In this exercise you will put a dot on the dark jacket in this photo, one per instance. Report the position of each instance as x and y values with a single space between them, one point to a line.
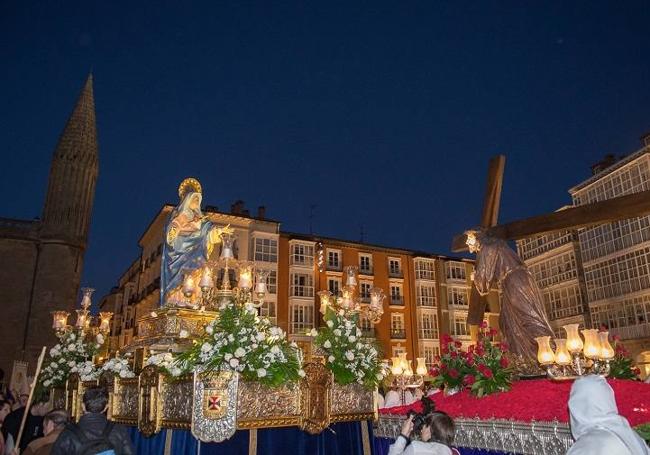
33 427
93 425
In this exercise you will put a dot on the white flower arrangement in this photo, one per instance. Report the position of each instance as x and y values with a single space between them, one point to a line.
241 341
350 357
119 367
72 354
165 361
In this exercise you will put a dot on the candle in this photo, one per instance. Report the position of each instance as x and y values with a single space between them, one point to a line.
376 298
324 300
562 356
592 343
421 369
188 285
351 274
206 279
81 319
606 350
545 354
573 340
245 277
105 321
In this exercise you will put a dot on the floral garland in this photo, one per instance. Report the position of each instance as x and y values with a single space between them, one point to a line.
239 340
484 368
349 357
72 354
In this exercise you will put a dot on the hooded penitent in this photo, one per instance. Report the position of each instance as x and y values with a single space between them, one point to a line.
595 423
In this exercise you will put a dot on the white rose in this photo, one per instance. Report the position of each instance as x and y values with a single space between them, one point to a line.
231 338
301 373
240 352
61 360
72 347
206 347
175 371
260 336
352 338
337 332
349 355
261 372
330 359
47 383
228 356
234 363
275 350
72 336
327 344
183 334
100 339
313 332
209 330
71 363
330 324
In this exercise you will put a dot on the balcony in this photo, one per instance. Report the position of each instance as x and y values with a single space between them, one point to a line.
398 334
397 300
364 299
334 267
368 333
306 261
396 273
363 270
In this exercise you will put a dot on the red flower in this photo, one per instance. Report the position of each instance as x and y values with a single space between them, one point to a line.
434 371
453 354
503 346
487 373
492 332
446 338
453 373
636 371
469 380
471 348
470 358
616 338
483 325
458 344
504 362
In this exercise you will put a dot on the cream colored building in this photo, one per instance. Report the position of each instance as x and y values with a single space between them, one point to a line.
616 256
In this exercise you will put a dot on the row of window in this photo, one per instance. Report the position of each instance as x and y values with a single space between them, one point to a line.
563 302
555 270
599 241
629 313
631 179
534 246
621 275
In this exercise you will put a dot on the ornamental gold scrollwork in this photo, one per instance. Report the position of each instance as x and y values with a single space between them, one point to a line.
148 402
316 395
73 394
214 409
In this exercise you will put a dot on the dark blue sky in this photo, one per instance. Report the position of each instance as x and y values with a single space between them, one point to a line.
384 115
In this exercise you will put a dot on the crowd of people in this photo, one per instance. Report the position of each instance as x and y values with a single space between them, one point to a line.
50 431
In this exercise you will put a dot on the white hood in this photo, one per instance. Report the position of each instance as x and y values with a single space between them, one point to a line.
592 406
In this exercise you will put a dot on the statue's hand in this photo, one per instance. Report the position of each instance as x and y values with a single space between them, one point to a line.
172 233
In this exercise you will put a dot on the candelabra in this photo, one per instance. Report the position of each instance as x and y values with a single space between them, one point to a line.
85 323
347 302
573 358
403 377
212 296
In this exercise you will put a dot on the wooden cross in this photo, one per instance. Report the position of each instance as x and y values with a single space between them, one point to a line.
619 208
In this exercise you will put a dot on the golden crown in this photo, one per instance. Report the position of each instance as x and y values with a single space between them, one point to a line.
189 185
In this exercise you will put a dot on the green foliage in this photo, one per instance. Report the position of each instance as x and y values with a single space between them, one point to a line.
349 357
239 340
621 366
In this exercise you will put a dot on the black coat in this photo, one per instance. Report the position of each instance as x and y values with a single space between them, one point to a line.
93 425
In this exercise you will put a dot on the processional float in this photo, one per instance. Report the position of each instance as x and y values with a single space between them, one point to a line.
182 370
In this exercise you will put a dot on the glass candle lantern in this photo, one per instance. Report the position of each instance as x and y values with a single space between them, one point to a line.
396 368
376 298
227 241
606 349
245 276
350 275
260 282
59 320
592 344
86 300
545 354
105 321
188 285
324 297
206 279
573 341
421 368
82 319
562 355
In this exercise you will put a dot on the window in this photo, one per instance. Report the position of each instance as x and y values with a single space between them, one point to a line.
364 291
429 352
365 264
455 270
428 325
457 296
394 267
266 250
302 317
396 294
397 326
334 285
302 254
459 325
302 285
268 310
424 270
425 295
367 330
333 260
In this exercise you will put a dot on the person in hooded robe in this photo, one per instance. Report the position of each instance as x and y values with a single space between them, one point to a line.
523 316
189 240
596 426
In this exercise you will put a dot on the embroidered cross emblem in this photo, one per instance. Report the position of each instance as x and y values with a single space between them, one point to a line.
214 403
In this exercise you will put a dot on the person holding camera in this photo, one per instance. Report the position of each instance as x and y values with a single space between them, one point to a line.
435 431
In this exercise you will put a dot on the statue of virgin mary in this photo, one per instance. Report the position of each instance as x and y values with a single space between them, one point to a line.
189 239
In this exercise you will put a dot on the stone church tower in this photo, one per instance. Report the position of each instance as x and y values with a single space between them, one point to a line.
41 261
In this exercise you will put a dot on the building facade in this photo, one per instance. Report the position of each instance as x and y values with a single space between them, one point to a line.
41 260
427 295
616 256
555 262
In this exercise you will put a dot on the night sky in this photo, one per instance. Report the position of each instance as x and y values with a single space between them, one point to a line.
382 115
